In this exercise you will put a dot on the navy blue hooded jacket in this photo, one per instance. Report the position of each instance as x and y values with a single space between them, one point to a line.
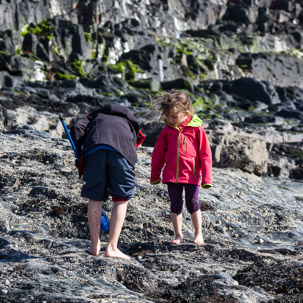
114 125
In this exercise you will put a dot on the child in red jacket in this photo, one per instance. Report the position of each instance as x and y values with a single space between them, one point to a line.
183 149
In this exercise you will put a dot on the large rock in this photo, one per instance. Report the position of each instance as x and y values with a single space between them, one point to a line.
233 147
281 70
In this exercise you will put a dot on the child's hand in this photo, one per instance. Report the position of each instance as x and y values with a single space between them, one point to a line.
155 182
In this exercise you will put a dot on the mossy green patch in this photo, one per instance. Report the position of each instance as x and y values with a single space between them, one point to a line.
120 67
88 37
34 57
126 68
61 76
18 51
193 55
131 70
202 104
77 66
43 29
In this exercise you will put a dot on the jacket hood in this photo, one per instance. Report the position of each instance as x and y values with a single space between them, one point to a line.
120 111
195 121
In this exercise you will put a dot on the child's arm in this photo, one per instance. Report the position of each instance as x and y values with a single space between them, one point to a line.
158 159
205 155
78 131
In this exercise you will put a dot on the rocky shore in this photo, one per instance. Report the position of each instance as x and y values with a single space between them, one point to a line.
253 234
241 63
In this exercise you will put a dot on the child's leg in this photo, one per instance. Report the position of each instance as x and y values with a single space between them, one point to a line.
176 205
94 215
193 206
122 187
177 224
197 222
116 223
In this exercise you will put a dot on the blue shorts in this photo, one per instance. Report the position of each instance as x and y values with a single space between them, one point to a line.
107 173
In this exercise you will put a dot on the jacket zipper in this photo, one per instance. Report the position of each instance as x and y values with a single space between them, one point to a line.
178 155
194 167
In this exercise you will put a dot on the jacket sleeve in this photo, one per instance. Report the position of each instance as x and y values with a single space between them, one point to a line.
205 155
158 158
78 131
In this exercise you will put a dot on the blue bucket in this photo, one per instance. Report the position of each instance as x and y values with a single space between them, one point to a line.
104 222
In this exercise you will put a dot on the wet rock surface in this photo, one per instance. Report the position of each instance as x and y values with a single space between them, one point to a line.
241 63
253 236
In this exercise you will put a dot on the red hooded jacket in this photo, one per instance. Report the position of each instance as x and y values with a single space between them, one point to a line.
185 153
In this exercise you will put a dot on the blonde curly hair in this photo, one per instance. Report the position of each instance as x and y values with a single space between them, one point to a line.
173 100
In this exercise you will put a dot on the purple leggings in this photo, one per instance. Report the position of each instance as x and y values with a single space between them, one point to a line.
175 191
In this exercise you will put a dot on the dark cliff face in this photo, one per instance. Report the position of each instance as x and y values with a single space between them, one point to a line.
241 63
239 60
165 39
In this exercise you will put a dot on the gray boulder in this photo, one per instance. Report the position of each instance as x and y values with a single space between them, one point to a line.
233 147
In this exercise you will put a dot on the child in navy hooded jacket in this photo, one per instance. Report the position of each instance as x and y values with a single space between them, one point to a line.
106 141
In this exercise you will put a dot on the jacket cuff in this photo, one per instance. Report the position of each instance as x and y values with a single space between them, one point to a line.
206 185
157 181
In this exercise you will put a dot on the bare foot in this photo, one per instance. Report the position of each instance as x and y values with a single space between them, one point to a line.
95 250
177 240
199 239
116 253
